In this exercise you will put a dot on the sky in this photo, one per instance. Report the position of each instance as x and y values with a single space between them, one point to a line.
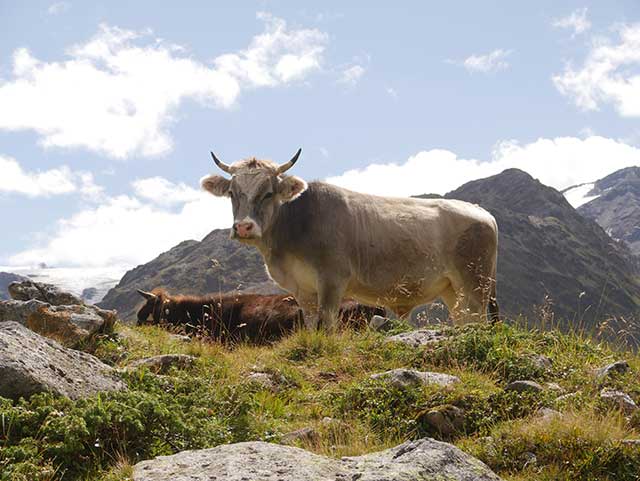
108 110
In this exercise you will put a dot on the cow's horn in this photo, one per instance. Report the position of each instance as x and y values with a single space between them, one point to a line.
284 167
145 294
221 164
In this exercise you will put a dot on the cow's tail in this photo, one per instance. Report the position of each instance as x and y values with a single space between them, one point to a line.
494 311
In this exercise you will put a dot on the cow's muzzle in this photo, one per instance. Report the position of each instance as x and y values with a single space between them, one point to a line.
246 229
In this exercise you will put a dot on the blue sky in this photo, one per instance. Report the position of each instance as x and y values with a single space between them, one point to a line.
108 109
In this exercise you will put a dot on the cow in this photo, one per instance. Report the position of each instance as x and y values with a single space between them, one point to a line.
235 317
321 243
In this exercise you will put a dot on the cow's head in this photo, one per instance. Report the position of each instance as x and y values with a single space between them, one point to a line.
156 302
257 189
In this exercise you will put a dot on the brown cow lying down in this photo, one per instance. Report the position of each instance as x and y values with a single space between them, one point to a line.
233 317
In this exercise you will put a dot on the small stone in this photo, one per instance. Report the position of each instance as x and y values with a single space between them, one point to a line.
548 414
446 419
402 378
377 322
567 397
618 367
554 386
420 337
303 435
180 337
162 364
267 380
619 400
541 362
524 386
528 459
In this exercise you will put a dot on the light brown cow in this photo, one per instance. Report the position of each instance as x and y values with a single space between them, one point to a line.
323 243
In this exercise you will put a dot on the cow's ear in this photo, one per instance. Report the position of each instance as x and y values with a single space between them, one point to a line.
216 185
290 187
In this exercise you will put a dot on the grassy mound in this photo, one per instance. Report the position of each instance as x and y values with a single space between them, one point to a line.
323 382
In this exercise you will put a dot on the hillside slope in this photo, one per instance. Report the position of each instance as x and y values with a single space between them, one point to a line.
214 264
547 248
617 206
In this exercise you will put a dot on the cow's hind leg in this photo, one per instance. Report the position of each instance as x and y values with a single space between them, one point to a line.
475 280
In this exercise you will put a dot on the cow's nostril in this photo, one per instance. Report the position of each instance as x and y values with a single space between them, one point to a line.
248 226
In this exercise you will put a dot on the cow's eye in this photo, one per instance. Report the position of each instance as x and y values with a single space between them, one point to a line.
268 195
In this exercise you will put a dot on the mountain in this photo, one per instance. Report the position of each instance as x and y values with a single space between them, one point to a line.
546 248
614 203
214 264
7 278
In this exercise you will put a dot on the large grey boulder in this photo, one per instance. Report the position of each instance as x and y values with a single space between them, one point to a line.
28 289
30 363
68 324
422 460
410 377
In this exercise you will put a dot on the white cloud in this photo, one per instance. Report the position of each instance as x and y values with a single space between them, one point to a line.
576 21
610 74
491 62
559 162
392 92
61 180
58 7
117 94
165 192
127 231
351 76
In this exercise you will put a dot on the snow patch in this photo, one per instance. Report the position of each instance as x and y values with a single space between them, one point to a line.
578 195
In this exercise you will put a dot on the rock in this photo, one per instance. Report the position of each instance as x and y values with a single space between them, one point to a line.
619 399
421 460
89 294
267 380
28 289
7 278
378 323
524 386
420 337
630 442
548 414
446 420
410 377
162 364
303 435
618 367
180 337
541 361
67 324
568 396
528 459
30 363
554 386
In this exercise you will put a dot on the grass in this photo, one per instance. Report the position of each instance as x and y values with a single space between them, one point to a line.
323 382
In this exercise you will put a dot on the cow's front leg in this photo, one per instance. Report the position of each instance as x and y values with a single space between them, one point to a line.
330 294
309 305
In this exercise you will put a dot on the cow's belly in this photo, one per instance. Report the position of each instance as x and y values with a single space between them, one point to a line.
399 291
293 275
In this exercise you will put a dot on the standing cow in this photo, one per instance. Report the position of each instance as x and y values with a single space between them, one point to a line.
322 243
